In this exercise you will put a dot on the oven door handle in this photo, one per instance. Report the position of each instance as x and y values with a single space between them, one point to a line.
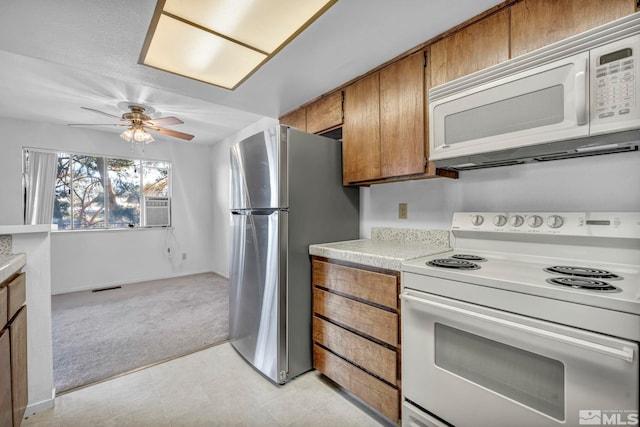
626 353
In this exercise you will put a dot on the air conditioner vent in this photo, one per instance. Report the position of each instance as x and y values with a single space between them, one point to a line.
157 212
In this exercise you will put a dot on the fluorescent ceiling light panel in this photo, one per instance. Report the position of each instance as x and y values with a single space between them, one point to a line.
223 42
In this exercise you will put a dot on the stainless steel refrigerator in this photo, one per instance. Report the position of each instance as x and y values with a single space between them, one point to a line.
286 193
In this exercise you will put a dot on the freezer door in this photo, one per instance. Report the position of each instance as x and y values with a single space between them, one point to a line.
257 291
259 171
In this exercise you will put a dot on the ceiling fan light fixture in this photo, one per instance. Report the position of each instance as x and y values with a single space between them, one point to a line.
137 134
223 42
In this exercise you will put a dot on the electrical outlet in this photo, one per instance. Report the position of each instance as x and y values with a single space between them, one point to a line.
184 256
403 209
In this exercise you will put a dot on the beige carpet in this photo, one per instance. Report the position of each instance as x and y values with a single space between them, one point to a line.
97 335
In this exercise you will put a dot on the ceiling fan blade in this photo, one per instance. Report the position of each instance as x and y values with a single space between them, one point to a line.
102 112
98 124
170 132
163 121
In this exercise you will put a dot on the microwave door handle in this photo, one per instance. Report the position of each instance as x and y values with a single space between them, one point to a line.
625 353
581 97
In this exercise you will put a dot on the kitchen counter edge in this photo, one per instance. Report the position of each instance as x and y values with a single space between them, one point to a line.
386 254
10 264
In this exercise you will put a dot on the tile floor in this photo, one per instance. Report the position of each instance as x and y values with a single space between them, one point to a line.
212 387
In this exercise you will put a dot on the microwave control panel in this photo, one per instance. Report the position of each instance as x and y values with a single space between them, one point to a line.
615 84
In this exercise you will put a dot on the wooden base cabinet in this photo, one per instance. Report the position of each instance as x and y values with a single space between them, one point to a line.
356 332
13 351
6 409
19 390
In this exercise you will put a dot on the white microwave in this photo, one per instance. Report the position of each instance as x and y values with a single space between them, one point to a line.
573 98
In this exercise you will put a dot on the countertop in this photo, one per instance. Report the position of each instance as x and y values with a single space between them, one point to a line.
9 264
387 248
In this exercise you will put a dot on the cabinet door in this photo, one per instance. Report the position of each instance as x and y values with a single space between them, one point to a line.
325 113
537 23
402 117
19 392
296 119
6 410
473 48
361 130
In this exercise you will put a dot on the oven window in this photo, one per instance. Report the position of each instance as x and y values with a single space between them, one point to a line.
533 380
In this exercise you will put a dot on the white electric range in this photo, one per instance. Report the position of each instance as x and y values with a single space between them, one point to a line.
532 319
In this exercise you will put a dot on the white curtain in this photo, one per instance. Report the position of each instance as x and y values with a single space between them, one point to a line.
40 183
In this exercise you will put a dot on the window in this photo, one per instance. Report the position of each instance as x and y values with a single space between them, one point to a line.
94 192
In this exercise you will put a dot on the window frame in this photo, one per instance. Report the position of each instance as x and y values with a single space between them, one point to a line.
106 157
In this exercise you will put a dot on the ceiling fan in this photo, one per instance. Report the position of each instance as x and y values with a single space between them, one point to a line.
138 123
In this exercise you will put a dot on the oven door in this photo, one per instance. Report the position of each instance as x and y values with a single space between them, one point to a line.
474 366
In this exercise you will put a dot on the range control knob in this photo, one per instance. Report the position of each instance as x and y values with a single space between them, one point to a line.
555 221
499 220
534 221
516 221
477 220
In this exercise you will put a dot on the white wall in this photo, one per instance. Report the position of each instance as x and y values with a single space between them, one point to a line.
37 247
90 259
599 183
221 218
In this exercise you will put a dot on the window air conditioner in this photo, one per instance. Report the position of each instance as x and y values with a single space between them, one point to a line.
156 212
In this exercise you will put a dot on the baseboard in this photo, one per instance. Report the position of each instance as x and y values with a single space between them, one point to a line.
128 282
43 405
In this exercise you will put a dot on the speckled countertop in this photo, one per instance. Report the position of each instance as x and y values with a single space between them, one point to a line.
387 248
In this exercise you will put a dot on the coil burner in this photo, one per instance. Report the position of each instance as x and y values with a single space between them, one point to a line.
584 284
456 264
591 273
468 257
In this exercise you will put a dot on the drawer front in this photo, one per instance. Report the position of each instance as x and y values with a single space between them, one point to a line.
17 294
6 417
4 308
375 322
374 392
372 357
378 288
19 390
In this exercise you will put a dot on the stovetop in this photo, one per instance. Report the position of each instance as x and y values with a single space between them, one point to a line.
528 274
508 261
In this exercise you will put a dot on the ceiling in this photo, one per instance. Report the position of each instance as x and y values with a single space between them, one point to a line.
56 56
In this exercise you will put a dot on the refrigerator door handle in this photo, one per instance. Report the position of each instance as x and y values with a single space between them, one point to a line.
269 211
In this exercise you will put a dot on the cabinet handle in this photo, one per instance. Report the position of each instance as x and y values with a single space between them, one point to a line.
626 353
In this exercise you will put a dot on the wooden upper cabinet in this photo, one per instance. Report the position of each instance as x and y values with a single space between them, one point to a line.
473 48
402 131
361 130
537 23
296 119
325 113
383 131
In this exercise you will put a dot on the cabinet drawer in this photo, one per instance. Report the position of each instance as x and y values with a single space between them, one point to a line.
376 287
370 356
17 294
19 390
5 380
369 320
374 392
4 306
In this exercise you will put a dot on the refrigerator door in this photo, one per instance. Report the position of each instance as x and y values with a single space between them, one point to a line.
257 289
259 171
